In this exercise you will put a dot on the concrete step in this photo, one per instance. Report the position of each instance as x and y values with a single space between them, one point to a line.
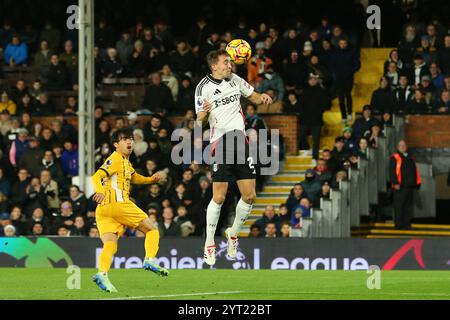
272 194
296 167
292 179
298 160
286 189
270 200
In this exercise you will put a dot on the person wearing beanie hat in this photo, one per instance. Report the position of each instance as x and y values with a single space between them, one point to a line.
311 185
350 143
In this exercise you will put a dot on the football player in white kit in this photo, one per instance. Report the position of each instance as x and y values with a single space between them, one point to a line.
217 101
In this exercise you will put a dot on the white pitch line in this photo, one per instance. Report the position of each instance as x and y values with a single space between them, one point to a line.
174 295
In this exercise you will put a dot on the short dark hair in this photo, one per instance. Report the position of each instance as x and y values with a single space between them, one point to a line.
213 56
121 133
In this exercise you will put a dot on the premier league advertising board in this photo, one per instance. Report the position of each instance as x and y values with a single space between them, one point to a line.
187 253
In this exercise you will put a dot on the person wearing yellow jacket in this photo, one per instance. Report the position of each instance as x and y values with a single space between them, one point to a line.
7 104
115 211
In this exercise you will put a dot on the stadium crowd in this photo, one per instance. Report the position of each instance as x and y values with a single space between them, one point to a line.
301 68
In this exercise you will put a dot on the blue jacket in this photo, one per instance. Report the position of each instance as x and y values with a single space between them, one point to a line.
18 53
69 162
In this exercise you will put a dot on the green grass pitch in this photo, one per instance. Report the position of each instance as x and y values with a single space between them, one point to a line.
134 284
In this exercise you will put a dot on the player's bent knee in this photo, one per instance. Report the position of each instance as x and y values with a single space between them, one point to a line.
219 199
249 198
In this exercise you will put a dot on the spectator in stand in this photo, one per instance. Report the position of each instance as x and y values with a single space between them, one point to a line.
18 146
37 230
257 65
16 52
38 216
324 193
63 231
168 227
19 189
43 107
78 201
32 157
36 88
185 95
124 47
363 151
408 45
419 69
295 73
268 217
346 63
79 227
392 75
42 57
35 197
184 221
322 171
253 120
296 194
183 61
48 163
137 61
402 94
315 67
5 185
382 98
150 41
169 79
338 154
375 133
19 90
157 95
69 57
50 189
111 67
7 104
427 51
443 104
93 232
26 105
350 144
362 125
19 221
69 159
444 56
65 217
270 231
272 80
417 104
57 76
311 185
104 34
436 77
313 103
393 58
52 35
428 90
255 231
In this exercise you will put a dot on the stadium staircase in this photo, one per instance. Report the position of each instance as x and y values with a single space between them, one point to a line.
276 191
387 230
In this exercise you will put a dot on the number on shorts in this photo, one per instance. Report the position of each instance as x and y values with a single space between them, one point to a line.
251 165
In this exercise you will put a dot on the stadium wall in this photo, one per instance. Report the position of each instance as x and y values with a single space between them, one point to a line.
187 253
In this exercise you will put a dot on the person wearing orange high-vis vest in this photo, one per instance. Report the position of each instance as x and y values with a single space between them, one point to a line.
404 177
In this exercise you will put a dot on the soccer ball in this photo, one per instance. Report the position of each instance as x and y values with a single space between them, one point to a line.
239 51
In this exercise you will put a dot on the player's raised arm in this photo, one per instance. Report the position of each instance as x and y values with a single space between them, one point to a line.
203 113
260 98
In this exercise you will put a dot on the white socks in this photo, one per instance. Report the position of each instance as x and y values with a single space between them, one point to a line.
212 217
243 210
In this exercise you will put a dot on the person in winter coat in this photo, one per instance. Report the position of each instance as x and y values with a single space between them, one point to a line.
313 102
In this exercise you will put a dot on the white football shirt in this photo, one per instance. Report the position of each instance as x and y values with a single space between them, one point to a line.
224 95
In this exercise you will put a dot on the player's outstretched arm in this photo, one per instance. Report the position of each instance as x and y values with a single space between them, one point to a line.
260 98
136 178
